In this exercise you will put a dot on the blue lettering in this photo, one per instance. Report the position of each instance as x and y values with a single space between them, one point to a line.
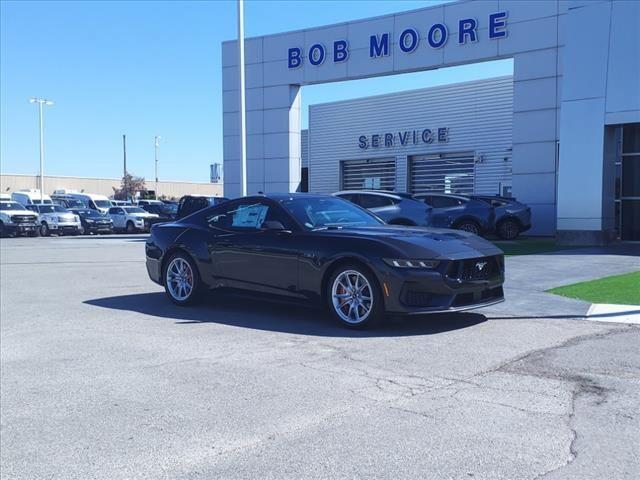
388 139
415 139
437 35
467 28
379 46
340 51
498 24
426 136
412 36
443 134
403 139
295 57
375 141
362 141
316 54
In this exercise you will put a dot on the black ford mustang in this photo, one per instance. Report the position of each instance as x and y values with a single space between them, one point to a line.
325 250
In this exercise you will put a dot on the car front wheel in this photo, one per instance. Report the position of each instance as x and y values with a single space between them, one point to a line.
131 228
468 226
44 230
181 280
354 297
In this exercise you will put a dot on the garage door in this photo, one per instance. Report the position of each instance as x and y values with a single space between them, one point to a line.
375 173
448 173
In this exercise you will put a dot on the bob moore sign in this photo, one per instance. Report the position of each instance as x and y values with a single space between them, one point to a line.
437 36
407 137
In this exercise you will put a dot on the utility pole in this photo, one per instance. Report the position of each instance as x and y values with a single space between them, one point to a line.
124 153
156 145
243 120
41 102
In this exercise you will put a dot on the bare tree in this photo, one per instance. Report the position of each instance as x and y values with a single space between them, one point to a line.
129 186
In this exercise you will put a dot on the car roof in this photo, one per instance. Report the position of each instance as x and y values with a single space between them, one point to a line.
384 193
440 194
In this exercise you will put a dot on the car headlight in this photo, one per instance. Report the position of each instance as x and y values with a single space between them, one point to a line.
405 263
88 220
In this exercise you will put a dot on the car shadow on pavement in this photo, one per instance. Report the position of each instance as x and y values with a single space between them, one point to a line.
277 317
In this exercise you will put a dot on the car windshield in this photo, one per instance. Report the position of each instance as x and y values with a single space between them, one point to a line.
45 208
90 213
323 212
102 203
11 206
133 210
169 208
75 204
59 209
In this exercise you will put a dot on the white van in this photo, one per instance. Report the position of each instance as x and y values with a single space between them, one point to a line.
93 201
30 197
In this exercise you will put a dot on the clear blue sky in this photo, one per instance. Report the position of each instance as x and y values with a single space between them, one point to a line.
151 68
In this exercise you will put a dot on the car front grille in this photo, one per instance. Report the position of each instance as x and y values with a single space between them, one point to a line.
414 298
23 219
476 269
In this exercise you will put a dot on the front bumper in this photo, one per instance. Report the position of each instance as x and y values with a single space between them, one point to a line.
449 288
12 228
98 227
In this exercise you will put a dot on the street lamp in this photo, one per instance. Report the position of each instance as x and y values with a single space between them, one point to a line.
155 151
41 102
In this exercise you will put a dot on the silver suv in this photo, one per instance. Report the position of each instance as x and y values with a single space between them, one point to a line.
392 207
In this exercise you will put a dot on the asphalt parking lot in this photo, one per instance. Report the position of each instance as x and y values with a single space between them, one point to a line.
102 377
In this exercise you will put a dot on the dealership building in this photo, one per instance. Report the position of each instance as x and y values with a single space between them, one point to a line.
561 134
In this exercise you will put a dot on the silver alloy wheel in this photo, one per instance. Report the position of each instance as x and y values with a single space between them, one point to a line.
180 279
352 297
470 227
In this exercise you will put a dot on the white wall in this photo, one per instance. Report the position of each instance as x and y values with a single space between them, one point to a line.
602 86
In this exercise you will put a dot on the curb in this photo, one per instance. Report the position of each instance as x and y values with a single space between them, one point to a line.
606 312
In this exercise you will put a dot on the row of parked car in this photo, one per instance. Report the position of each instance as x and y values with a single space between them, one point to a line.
74 214
478 214
30 213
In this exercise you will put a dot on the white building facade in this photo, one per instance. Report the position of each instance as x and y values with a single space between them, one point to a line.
576 99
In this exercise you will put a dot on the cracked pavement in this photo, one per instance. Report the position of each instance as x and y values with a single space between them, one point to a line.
101 377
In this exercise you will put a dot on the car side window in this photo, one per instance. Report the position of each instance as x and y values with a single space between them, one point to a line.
374 201
242 216
443 202
352 197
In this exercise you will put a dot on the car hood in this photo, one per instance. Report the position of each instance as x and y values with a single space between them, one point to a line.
143 215
424 242
19 212
69 216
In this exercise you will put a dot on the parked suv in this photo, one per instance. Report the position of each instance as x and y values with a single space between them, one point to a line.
131 219
94 221
55 219
192 203
16 219
512 217
166 211
459 212
392 207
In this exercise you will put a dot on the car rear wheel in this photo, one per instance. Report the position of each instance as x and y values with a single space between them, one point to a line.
354 297
468 226
508 230
181 280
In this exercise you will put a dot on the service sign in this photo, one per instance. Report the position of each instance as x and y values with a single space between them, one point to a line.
437 36
404 138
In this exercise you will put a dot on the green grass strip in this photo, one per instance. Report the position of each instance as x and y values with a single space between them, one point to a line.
619 289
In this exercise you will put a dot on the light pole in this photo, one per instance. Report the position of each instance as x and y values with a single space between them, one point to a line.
241 91
155 151
41 102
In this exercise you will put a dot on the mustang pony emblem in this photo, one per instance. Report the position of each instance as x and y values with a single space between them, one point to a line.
481 265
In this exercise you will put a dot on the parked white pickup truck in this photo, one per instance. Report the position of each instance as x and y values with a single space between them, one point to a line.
55 219
15 219
132 219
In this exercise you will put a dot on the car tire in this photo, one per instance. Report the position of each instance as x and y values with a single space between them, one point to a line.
34 233
508 230
468 226
44 230
2 231
349 279
131 228
181 280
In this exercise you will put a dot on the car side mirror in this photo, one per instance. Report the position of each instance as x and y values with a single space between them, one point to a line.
274 226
